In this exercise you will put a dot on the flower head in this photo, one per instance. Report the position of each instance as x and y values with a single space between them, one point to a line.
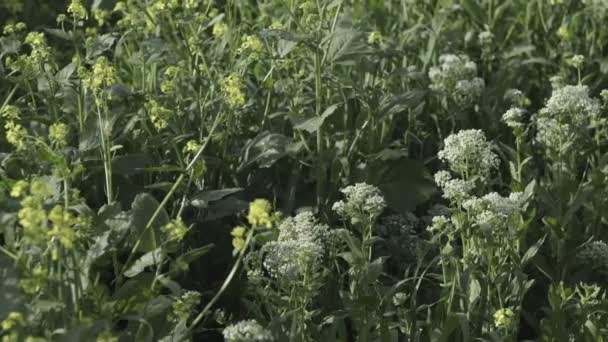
15 135
175 230
78 10
361 199
246 331
58 133
184 306
504 318
260 213
468 153
232 87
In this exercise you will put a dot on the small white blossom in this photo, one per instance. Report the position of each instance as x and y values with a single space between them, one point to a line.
456 77
514 117
468 153
361 199
246 331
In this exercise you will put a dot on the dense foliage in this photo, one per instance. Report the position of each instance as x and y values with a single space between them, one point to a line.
284 170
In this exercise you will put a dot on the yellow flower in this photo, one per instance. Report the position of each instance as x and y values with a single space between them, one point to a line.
10 112
252 44
504 318
232 89
101 16
375 38
563 32
219 30
40 189
78 9
19 188
260 213
238 243
13 319
159 115
103 75
176 230
15 134
238 231
238 237
58 133
277 25
192 146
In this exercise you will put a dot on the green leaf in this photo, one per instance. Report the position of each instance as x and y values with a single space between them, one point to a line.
90 138
531 252
142 209
405 183
204 198
154 257
345 43
313 124
130 164
100 45
265 150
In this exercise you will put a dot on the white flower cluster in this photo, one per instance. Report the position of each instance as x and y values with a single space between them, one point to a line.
564 120
493 210
469 154
361 199
439 224
594 256
457 76
246 331
301 246
514 118
453 188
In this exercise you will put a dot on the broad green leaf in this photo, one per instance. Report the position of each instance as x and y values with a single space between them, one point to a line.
130 164
313 124
405 183
204 198
142 209
149 259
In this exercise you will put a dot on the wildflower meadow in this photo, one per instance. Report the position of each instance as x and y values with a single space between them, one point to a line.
303 170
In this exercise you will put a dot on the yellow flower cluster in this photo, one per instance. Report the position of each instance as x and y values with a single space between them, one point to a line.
11 29
35 281
58 133
41 52
219 30
63 231
192 146
78 10
101 16
34 220
167 86
102 75
159 115
232 87
260 213
175 230
238 237
14 319
15 134
504 318
252 45
10 112
375 38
